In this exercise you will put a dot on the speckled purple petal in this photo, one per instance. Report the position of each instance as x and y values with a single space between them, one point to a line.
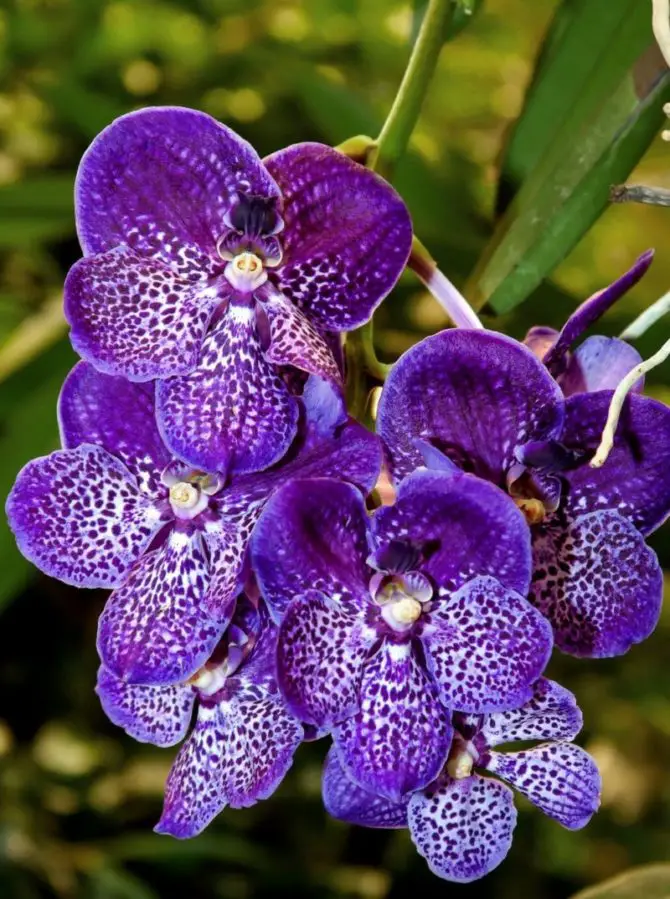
153 629
475 395
597 582
600 363
485 646
233 413
160 180
118 415
464 526
237 754
591 310
346 801
550 714
635 480
464 828
158 715
78 515
320 658
295 341
399 740
226 537
559 778
312 535
347 235
135 317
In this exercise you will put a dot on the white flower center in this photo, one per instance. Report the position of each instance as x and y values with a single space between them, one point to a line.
184 495
245 272
460 765
406 610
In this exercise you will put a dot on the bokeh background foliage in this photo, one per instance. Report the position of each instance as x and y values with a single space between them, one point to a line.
77 799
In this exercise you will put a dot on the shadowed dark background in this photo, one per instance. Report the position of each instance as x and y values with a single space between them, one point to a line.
77 798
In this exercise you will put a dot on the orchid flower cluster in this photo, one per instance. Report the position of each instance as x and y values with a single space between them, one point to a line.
211 478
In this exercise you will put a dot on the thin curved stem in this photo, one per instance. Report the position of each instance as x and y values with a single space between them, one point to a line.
401 120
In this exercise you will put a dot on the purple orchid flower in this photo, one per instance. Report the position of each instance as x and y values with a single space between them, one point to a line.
388 624
482 402
244 738
211 270
115 510
599 363
462 823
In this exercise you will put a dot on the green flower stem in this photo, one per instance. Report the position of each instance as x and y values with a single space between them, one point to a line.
394 137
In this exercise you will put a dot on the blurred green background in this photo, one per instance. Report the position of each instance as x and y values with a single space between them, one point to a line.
77 798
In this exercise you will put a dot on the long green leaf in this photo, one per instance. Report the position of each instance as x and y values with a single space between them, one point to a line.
600 140
648 882
29 428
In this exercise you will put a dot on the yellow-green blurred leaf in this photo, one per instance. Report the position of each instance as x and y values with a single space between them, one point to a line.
648 882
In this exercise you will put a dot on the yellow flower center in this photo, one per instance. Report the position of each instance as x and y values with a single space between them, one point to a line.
533 509
184 495
406 610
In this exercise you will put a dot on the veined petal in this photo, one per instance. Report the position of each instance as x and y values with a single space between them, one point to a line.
347 235
485 646
635 479
161 181
551 713
119 416
226 538
320 658
475 395
135 317
600 363
153 629
159 715
237 754
559 778
313 534
597 582
591 310
78 515
346 801
464 828
399 740
466 526
295 341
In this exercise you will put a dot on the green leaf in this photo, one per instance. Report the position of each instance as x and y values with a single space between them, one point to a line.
37 210
616 111
29 428
648 882
110 883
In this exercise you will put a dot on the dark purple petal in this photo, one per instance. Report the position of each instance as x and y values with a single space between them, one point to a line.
237 754
158 715
117 415
233 413
598 583
551 713
153 629
635 480
78 515
347 235
486 646
135 317
463 526
161 180
399 740
475 395
464 828
295 341
559 778
325 409
591 310
600 363
313 534
226 538
320 657
345 800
